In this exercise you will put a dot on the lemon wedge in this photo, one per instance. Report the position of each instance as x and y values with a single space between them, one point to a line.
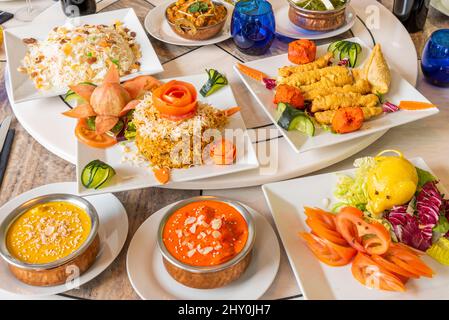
440 251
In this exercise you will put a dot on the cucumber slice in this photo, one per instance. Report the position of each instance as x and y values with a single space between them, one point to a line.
332 47
96 174
359 47
280 110
353 56
344 53
303 124
287 116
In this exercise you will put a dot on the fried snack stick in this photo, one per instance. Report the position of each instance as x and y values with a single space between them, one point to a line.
317 64
309 77
336 81
325 117
360 86
341 100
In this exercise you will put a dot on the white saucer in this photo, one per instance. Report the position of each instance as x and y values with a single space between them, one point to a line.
287 29
156 25
440 6
113 229
150 280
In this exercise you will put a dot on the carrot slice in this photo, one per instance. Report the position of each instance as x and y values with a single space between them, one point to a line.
162 175
415 105
82 111
251 72
229 112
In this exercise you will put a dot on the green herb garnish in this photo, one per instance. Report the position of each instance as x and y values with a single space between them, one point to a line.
198 6
215 82
116 62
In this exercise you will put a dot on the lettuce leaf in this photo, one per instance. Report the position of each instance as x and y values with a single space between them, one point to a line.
442 225
424 177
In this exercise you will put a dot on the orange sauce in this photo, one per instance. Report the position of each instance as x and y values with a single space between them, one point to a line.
205 233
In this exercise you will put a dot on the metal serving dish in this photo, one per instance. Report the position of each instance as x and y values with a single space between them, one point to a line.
317 20
53 273
200 33
208 277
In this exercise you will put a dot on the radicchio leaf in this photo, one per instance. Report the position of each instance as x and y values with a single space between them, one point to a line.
270 84
389 107
428 203
408 230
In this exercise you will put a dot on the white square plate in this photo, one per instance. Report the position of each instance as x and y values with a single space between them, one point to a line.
318 281
23 88
129 176
400 90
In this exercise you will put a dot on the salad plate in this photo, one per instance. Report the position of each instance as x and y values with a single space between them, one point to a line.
157 25
23 89
134 172
287 29
113 230
399 90
150 279
286 201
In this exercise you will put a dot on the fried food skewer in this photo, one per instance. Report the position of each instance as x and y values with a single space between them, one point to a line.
319 63
325 117
342 100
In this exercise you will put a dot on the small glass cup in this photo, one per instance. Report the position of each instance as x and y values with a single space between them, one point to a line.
435 58
253 27
27 13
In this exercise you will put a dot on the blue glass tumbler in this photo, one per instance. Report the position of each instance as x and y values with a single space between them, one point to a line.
435 58
253 27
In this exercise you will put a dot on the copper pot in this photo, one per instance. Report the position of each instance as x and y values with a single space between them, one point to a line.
197 33
317 20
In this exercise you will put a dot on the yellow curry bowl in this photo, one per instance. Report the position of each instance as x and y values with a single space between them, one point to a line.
50 239
188 31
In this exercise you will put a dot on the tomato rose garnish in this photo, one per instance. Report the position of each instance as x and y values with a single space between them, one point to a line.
175 100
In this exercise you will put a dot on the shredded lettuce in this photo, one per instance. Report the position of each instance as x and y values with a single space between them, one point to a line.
442 226
351 191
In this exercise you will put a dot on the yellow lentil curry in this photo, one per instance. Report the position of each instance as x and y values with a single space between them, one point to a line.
48 232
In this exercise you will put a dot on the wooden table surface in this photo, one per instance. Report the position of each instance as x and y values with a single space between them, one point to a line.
31 165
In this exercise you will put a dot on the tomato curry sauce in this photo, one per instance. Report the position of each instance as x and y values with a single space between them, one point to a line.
205 233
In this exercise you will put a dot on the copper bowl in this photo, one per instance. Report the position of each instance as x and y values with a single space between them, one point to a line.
199 33
317 20
213 276
59 271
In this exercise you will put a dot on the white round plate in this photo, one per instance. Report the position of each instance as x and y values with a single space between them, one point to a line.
150 280
156 25
441 5
113 229
42 118
287 29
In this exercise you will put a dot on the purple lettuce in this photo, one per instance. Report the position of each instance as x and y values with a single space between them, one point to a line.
389 107
428 204
408 230
270 84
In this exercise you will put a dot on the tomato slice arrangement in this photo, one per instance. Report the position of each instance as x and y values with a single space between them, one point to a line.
175 100
372 275
91 138
367 237
328 252
345 237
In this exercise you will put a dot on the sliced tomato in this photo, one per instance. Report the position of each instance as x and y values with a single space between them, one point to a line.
408 260
390 266
327 252
323 231
325 217
91 138
367 237
372 275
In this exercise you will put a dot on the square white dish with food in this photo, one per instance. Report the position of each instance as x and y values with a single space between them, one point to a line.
319 281
45 58
133 169
329 92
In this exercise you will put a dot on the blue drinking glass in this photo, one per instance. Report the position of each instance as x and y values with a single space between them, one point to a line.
253 27
435 58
